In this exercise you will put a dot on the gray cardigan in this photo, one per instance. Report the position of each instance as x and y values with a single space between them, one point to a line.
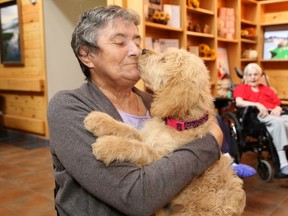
88 187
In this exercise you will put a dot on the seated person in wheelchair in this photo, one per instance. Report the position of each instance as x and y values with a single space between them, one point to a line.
253 93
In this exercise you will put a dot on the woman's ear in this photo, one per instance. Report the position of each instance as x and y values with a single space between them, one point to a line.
84 56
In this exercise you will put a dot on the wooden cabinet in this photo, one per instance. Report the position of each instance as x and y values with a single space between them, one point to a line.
250 16
158 31
199 25
200 29
231 44
248 32
273 17
273 12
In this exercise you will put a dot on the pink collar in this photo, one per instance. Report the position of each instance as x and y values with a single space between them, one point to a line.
180 126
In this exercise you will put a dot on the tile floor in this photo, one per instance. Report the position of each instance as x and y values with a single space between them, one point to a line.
264 199
26 181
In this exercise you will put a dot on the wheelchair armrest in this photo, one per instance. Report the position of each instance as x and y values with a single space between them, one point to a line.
284 111
248 109
251 125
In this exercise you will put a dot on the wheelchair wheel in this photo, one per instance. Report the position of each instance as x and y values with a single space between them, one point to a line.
235 132
264 170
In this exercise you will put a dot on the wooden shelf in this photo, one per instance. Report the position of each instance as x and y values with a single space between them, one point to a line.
228 40
244 40
209 59
247 22
274 23
274 60
199 34
200 11
246 60
162 26
249 1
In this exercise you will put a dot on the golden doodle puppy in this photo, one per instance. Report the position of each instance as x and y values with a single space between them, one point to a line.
182 110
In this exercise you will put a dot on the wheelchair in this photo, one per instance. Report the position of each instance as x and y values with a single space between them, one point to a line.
249 134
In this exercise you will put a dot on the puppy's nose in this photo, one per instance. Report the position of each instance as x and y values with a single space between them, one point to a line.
144 51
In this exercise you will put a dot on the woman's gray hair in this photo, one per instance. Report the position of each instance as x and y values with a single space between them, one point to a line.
91 22
250 67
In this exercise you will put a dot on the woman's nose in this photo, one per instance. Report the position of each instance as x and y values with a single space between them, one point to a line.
134 50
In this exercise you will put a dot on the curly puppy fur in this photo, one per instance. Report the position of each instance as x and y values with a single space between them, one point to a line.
180 82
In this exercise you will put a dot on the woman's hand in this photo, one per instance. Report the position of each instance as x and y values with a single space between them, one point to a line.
276 111
263 111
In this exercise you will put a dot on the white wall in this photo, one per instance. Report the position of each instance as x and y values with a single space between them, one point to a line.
60 17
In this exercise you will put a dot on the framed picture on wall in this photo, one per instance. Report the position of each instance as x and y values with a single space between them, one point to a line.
222 62
11 44
275 42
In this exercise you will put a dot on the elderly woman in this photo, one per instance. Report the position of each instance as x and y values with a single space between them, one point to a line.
252 93
106 43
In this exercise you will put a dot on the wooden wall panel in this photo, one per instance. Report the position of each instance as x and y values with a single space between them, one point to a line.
24 87
278 79
32 85
32 125
29 106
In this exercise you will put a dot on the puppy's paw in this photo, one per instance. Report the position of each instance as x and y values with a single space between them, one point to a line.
98 123
112 148
104 150
101 124
120 149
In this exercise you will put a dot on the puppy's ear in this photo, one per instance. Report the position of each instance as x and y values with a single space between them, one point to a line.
175 99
